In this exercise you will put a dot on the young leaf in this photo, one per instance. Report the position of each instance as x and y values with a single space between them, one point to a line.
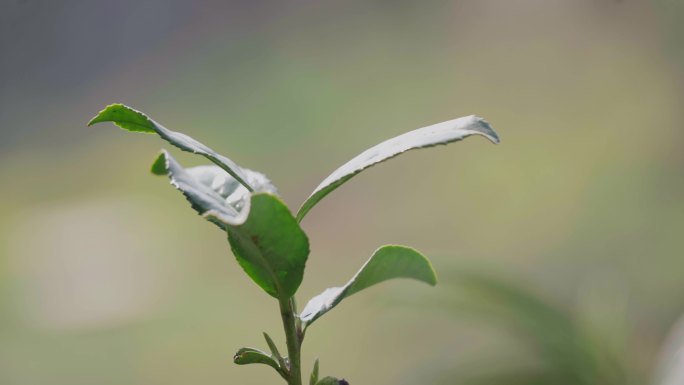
331 381
274 350
314 374
209 189
246 356
270 246
441 133
133 120
386 263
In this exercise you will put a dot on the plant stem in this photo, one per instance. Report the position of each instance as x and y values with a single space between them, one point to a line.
287 312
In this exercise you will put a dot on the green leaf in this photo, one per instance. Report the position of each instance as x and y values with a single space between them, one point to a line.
441 133
132 120
211 191
246 356
331 381
314 374
274 350
126 118
386 263
264 236
270 246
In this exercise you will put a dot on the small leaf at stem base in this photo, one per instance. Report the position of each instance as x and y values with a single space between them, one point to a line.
332 381
314 374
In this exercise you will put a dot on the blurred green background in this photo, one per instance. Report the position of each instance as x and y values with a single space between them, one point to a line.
559 251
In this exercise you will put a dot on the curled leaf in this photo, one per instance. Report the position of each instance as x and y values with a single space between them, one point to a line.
246 356
264 236
133 120
211 191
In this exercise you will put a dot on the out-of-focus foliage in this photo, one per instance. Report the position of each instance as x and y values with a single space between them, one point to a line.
671 14
670 368
588 343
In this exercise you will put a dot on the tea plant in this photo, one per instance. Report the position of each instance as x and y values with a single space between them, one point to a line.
266 238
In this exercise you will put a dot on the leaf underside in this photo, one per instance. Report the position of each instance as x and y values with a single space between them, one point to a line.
133 120
441 133
264 236
211 191
387 262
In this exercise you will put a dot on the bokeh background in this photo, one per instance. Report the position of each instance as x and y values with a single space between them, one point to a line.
559 251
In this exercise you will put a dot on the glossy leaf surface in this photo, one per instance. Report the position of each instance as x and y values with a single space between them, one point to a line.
133 120
211 191
270 246
386 263
441 133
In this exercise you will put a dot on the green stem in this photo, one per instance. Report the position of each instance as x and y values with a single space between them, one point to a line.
287 312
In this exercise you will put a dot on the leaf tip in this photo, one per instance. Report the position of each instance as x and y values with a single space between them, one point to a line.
124 117
102 115
160 165
431 279
238 356
313 380
485 129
